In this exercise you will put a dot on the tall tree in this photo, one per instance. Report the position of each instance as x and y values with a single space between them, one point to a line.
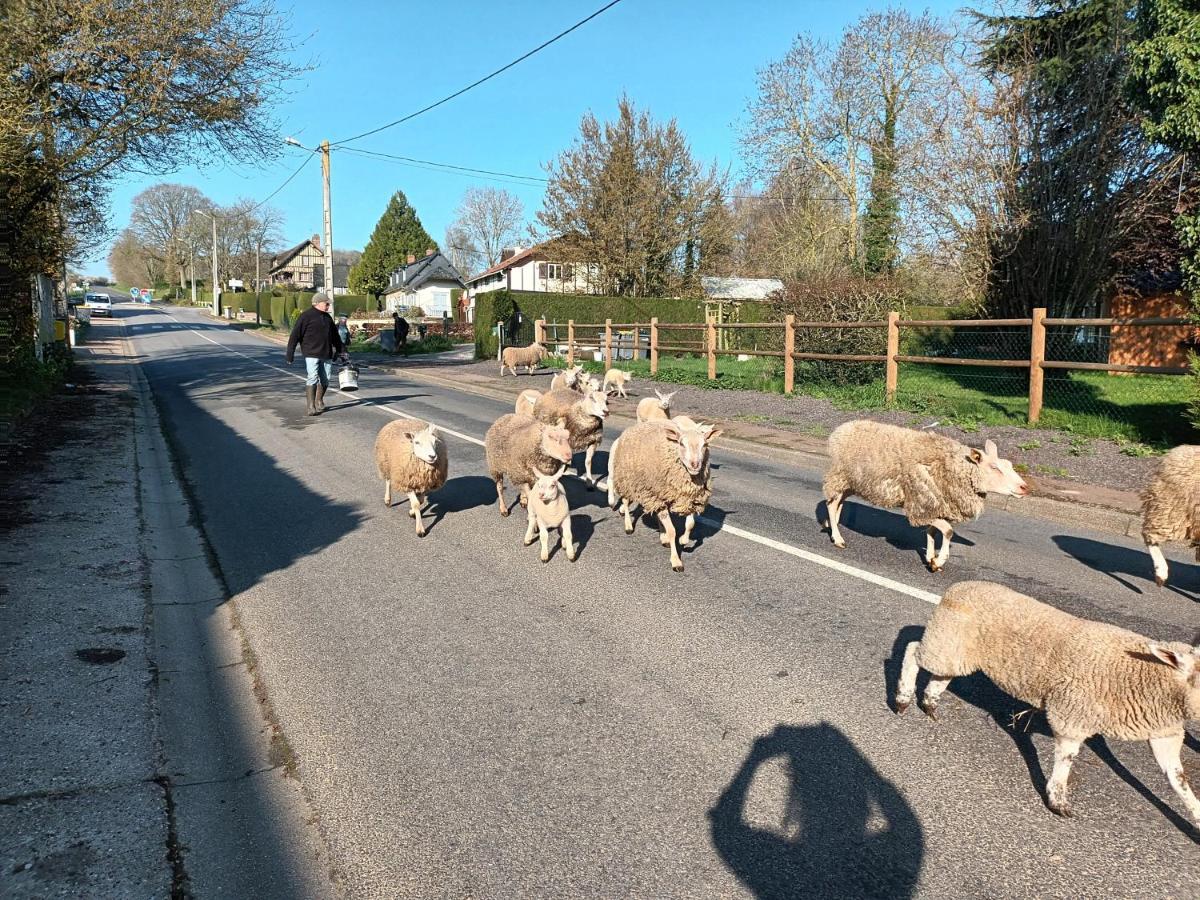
462 251
397 234
491 219
160 217
133 263
632 208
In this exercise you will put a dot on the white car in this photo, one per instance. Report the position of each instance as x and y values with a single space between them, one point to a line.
99 304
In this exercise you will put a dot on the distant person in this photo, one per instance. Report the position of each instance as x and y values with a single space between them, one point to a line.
400 331
319 343
343 329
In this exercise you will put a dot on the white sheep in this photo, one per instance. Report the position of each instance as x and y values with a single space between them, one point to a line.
1089 677
525 401
618 378
650 408
1171 506
662 467
530 357
411 458
937 480
582 415
567 378
548 509
517 445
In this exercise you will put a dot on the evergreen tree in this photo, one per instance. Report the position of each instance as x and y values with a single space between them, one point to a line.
881 223
397 234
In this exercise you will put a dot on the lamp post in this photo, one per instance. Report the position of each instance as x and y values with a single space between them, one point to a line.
215 290
323 149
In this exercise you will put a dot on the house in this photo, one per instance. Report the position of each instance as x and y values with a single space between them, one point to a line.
1148 295
426 282
535 269
302 268
722 290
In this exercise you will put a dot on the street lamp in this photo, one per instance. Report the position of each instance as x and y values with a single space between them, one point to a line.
323 149
216 292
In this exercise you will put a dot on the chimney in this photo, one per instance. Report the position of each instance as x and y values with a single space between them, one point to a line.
429 251
509 252
411 259
316 239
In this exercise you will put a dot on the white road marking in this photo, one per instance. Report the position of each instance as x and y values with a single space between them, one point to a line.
806 555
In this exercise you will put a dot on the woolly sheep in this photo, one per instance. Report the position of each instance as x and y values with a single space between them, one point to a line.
663 468
548 509
937 480
411 458
1089 677
650 409
619 378
567 378
582 415
517 445
525 401
530 357
1171 506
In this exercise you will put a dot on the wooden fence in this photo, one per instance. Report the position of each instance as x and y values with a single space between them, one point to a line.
710 345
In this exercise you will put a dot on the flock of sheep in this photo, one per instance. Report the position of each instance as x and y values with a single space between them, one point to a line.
1089 678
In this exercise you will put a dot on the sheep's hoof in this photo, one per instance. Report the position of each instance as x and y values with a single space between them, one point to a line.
546 559
591 485
1060 808
628 530
676 568
412 513
902 706
935 566
930 709
420 532
841 545
524 503
1159 580
504 513
529 541
572 554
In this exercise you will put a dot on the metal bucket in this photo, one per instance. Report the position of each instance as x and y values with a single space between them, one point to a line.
348 378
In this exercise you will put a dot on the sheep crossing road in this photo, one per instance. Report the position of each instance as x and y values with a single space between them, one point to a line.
470 722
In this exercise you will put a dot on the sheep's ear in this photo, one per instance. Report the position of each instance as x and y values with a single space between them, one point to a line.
974 455
711 433
990 448
1179 661
562 470
433 430
408 434
671 430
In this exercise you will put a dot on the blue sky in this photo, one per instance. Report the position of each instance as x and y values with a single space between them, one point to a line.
376 61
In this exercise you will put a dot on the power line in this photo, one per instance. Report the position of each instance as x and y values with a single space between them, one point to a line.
438 166
258 206
488 77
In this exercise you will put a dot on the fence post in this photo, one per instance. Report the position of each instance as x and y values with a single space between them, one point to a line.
712 349
637 341
789 347
1037 354
539 331
654 345
570 342
892 366
607 344
500 341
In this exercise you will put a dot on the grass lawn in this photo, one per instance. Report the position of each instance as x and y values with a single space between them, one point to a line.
1143 409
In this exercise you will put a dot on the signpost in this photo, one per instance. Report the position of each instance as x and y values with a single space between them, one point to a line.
145 295
133 292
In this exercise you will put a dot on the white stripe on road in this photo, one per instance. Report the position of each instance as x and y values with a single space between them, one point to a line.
806 555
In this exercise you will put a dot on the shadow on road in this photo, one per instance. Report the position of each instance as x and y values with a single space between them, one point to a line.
844 830
1114 561
459 495
872 522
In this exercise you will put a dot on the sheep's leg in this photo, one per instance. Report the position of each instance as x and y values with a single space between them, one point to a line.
523 498
943 554
833 507
544 534
930 549
906 689
628 516
1166 754
531 527
568 540
933 693
414 510
387 492
612 493
1065 751
587 467
669 531
1160 563
500 495
688 524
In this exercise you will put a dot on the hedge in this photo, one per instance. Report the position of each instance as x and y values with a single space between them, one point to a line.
494 306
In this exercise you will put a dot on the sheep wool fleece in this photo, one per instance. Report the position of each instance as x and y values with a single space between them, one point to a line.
1171 501
513 446
398 465
646 471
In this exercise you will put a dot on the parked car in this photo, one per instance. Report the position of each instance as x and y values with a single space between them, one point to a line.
99 304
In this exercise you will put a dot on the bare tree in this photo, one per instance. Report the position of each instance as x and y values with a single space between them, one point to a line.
491 219
462 252
160 218
132 263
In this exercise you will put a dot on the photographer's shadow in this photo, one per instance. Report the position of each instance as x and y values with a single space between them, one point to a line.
845 831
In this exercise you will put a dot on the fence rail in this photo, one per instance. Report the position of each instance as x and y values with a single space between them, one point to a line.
644 337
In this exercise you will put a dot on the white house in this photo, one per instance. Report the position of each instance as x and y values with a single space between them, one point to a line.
425 282
535 269
724 289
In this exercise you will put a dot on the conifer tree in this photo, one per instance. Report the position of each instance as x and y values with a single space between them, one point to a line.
398 233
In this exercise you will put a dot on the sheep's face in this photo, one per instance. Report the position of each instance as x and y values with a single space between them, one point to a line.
664 400
424 444
596 404
692 443
540 352
997 475
590 383
556 444
1186 663
546 488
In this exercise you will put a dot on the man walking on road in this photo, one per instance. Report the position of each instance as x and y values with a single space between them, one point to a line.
319 343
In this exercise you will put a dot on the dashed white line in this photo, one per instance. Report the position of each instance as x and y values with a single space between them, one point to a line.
797 552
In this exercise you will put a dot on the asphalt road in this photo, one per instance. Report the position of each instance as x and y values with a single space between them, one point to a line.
472 723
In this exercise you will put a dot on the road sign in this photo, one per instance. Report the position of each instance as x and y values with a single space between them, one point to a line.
133 292
145 294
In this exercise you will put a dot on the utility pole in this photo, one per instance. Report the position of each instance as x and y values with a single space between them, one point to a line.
328 225
192 247
216 293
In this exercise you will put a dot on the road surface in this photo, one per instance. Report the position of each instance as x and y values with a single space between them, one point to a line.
471 723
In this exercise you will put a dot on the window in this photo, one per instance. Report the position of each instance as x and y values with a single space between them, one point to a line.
553 271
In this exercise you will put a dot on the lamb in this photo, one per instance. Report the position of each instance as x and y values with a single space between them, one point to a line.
662 467
548 509
937 480
619 378
567 378
517 445
1171 506
525 401
1089 677
530 357
649 409
583 416
411 458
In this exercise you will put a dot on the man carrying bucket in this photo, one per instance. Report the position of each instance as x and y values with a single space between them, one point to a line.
319 343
